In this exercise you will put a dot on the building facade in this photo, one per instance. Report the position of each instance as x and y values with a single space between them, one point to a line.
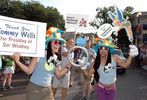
139 25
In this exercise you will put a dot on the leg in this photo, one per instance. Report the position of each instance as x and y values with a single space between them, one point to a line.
101 93
1 94
65 85
54 90
64 93
89 88
55 85
10 80
4 81
71 81
111 94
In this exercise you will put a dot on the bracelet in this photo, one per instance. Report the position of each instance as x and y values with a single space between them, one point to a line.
66 67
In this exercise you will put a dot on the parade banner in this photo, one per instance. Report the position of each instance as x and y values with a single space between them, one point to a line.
76 21
25 37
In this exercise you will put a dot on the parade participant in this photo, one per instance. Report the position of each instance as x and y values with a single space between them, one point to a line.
105 65
8 72
105 62
64 80
86 86
43 69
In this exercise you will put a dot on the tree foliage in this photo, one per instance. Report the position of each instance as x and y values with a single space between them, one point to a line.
102 15
33 11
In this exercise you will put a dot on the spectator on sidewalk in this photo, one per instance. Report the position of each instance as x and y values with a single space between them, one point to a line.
8 72
0 71
43 69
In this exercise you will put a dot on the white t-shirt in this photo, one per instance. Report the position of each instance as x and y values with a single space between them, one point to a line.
65 59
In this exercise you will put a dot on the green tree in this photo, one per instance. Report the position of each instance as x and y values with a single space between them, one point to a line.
4 7
16 10
33 11
102 15
53 19
128 11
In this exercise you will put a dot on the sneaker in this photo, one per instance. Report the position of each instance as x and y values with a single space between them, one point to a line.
4 89
70 85
84 98
1 95
10 87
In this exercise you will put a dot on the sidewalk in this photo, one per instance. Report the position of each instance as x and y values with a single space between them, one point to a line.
19 82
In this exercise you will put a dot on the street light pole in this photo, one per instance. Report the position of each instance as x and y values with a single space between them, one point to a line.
138 17
138 27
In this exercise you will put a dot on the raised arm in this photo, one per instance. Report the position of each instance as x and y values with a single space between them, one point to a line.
122 62
27 69
127 62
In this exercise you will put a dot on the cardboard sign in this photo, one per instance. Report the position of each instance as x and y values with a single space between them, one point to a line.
76 21
105 30
25 37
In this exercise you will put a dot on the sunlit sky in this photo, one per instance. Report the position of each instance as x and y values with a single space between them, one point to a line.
88 7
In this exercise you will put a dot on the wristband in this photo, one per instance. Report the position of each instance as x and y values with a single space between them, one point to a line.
66 67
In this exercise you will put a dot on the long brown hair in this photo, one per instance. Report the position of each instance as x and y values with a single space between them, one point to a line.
97 64
49 52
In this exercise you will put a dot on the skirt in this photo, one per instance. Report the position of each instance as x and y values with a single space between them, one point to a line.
8 70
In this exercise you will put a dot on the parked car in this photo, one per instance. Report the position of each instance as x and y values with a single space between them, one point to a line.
120 70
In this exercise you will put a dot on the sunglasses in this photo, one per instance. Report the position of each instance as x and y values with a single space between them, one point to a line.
104 48
56 42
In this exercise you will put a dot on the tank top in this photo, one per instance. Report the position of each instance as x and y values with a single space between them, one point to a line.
107 74
41 76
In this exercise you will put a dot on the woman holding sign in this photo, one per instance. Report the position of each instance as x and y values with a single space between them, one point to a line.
43 69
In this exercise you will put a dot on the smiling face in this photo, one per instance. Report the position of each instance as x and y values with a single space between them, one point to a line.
88 44
55 45
70 42
104 51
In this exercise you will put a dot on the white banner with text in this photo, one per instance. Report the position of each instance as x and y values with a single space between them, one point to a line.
25 37
76 21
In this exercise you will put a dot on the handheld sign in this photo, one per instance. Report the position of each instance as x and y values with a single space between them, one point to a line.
25 37
105 30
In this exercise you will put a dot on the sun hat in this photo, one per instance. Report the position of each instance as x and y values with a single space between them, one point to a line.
54 33
106 43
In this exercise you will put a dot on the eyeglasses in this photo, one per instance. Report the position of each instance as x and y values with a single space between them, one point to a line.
57 42
104 48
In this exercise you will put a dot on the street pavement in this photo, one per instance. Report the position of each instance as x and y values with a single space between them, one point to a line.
130 86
